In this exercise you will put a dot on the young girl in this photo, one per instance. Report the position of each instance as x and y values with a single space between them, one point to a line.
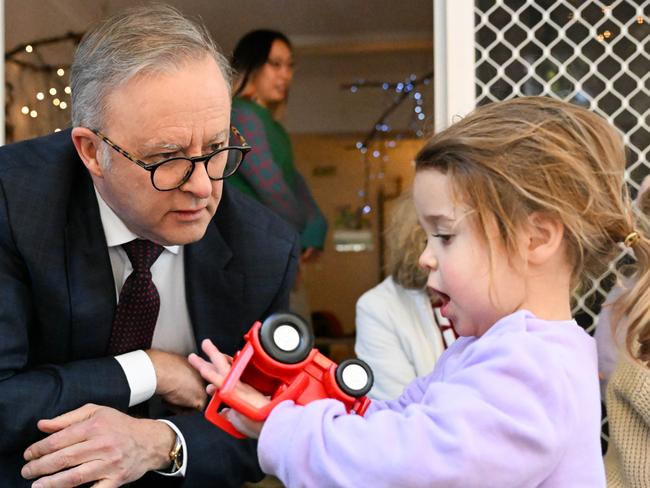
519 199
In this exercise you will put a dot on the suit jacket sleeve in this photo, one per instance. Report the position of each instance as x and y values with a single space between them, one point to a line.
29 393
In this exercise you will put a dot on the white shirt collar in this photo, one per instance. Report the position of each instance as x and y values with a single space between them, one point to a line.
116 231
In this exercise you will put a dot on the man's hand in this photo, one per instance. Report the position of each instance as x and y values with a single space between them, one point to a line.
176 381
100 444
215 373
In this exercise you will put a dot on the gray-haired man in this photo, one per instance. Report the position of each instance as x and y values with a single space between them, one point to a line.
144 163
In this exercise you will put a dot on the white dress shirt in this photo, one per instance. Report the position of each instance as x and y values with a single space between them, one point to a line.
173 331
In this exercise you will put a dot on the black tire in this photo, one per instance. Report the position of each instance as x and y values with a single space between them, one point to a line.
300 337
359 388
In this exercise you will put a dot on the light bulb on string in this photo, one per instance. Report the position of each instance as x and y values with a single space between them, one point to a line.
56 102
52 91
29 48
40 96
60 71
33 114
68 90
25 109
63 105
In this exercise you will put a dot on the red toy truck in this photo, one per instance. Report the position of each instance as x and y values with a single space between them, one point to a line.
280 361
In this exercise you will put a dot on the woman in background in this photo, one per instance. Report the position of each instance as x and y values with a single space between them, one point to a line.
400 332
263 61
263 64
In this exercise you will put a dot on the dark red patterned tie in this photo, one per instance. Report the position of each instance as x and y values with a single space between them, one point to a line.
139 302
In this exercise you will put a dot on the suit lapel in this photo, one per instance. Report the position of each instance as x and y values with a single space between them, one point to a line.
90 279
215 295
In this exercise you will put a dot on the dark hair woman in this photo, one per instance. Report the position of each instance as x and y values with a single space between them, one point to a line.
263 61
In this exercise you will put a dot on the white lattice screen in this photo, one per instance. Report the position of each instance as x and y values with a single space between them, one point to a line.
592 53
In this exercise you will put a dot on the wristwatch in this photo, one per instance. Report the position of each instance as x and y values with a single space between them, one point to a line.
176 455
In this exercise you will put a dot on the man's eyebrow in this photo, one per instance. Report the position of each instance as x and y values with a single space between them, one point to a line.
220 135
161 145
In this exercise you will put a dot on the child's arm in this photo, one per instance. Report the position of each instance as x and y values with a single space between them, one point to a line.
507 413
215 372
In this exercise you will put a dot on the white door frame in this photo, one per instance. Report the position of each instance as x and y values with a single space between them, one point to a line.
454 76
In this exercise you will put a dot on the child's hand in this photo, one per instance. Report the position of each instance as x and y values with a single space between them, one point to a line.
215 372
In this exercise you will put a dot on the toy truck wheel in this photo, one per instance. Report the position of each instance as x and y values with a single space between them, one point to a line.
286 337
354 377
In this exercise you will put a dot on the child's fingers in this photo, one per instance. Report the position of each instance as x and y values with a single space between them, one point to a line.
218 359
246 426
207 370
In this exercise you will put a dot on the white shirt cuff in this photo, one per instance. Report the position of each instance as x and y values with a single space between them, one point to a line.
140 374
180 472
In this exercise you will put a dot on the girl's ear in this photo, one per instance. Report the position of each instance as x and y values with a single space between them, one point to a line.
545 237
87 145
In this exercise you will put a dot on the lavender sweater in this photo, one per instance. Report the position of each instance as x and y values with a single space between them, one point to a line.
518 407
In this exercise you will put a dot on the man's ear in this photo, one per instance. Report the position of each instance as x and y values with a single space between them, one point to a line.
87 145
545 237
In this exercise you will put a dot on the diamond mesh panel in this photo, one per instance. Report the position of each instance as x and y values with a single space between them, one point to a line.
592 53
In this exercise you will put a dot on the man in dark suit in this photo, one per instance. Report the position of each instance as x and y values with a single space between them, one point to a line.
144 163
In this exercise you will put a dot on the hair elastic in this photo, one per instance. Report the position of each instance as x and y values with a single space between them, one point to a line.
631 239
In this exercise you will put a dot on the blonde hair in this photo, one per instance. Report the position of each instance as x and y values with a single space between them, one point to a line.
405 242
536 154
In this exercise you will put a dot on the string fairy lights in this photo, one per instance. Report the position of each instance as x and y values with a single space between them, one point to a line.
46 106
374 149
382 136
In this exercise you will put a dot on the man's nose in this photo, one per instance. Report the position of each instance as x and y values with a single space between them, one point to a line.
199 183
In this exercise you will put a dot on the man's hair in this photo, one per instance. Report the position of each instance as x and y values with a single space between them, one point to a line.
142 40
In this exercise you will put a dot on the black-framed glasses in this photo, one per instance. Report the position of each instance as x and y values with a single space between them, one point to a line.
171 173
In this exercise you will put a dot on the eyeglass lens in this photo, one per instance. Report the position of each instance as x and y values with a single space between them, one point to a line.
175 172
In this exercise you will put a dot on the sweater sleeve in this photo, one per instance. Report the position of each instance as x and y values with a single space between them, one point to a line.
262 172
496 420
